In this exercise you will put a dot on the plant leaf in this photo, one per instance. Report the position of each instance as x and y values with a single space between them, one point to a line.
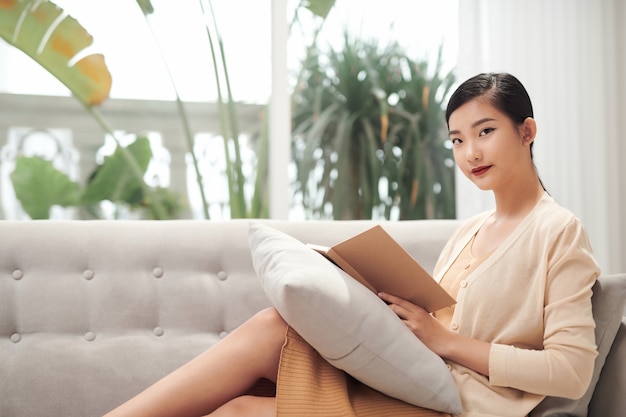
114 179
171 202
39 185
146 7
390 157
44 32
319 8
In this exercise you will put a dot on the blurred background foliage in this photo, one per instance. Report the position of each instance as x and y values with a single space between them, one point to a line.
369 135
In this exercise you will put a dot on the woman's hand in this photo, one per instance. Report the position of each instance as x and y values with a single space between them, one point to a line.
464 350
423 325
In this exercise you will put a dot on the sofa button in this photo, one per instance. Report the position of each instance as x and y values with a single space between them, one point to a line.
454 325
88 274
18 274
222 275
157 272
16 337
223 334
158 331
90 336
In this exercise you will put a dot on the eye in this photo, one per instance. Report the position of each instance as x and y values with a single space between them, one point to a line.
486 131
456 141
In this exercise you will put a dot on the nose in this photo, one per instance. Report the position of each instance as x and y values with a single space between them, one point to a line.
472 151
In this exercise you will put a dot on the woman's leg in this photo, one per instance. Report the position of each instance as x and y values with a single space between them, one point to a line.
247 406
225 371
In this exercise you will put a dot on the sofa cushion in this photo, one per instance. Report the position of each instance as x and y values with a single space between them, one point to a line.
348 324
609 295
608 398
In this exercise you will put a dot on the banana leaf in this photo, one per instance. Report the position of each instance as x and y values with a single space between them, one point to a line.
39 185
40 29
114 180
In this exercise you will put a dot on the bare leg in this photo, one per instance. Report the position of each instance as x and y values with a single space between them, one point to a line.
225 371
247 406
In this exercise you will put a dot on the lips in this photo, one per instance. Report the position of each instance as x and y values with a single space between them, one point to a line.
480 170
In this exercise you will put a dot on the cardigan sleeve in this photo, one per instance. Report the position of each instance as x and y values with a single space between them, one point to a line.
565 365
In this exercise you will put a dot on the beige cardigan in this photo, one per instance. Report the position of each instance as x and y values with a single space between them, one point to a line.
532 300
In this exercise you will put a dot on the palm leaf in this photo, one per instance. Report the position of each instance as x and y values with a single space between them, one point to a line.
55 40
366 142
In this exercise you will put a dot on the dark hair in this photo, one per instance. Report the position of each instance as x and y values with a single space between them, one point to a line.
503 91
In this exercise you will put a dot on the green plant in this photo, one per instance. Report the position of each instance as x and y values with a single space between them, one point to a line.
39 186
90 81
35 28
240 205
369 135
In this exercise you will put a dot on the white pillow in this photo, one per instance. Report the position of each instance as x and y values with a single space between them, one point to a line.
348 324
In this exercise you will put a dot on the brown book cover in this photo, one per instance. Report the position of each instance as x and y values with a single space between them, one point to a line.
377 260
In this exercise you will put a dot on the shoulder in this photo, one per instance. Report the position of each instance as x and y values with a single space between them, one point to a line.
552 219
549 207
562 236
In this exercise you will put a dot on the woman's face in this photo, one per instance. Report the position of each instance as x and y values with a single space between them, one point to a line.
488 147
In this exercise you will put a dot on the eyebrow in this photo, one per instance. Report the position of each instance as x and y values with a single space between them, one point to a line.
476 123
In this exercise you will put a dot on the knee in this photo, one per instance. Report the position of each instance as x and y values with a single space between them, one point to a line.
271 321
272 326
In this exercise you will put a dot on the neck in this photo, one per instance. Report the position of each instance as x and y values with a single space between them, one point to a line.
517 201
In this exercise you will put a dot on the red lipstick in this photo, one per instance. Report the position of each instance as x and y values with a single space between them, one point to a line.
478 171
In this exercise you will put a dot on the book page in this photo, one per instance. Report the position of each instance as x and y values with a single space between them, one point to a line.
375 257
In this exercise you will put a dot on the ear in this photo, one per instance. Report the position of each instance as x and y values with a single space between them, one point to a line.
528 130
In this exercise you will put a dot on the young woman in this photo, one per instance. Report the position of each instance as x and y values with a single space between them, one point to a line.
522 274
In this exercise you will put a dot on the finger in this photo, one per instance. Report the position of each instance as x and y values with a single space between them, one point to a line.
400 311
392 299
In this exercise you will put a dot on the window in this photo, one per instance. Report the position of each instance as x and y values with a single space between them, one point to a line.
121 34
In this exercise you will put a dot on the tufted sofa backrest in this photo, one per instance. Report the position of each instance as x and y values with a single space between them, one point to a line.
92 312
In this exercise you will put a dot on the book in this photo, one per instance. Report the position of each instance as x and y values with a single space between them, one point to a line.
380 263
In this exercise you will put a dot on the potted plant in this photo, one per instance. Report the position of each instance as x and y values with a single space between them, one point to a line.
369 137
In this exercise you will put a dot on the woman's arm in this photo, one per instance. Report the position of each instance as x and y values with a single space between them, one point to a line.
564 364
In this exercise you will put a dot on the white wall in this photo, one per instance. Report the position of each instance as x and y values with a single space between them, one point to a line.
570 54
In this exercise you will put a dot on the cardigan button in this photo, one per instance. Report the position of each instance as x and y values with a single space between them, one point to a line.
222 275
18 274
90 336
157 272
454 325
88 274
463 284
16 337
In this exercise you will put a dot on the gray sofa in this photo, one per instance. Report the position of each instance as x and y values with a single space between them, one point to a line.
92 312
